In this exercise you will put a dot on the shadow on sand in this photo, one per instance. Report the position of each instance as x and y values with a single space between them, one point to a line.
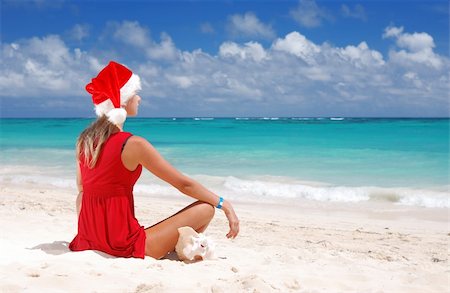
61 247
55 248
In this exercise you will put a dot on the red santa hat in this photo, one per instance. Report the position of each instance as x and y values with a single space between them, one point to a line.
111 90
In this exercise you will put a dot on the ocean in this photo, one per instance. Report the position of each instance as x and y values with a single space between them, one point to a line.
399 160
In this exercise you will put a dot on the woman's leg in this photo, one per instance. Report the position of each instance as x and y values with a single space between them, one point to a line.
163 236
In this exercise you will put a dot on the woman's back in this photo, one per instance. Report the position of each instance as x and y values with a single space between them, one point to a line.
109 171
107 221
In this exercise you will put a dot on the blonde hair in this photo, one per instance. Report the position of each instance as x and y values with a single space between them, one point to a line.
91 140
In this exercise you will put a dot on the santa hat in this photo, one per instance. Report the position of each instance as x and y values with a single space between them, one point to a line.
111 90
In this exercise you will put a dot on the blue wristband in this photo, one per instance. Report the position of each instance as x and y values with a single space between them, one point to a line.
219 205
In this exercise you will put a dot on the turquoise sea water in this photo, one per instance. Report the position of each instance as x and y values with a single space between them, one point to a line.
338 159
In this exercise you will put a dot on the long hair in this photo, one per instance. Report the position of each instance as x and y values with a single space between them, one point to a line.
91 140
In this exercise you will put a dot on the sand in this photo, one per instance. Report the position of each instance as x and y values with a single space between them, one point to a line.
304 247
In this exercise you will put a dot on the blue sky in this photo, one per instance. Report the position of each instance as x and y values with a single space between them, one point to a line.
230 58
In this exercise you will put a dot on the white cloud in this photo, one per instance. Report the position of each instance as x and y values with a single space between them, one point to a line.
309 14
133 34
165 50
79 32
248 25
426 57
357 12
415 42
250 50
44 66
45 78
362 56
418 48
316 73
392 31
180 81
412 77
300 76
292 76
297 44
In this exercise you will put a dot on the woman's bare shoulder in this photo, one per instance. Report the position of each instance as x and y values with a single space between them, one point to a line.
138 142
137 139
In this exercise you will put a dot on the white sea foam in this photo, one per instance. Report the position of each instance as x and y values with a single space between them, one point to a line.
337 118
425 199
38 180
406 196
264 188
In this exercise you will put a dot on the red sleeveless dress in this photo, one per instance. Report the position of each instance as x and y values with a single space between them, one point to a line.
107 222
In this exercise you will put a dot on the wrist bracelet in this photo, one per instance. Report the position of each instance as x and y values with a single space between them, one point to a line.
219 205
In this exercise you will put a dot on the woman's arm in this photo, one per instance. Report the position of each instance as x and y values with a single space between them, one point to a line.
139 151
80 189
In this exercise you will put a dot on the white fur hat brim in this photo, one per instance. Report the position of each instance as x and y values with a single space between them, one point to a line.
129 89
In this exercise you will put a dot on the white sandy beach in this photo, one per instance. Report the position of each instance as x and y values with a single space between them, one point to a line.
307 247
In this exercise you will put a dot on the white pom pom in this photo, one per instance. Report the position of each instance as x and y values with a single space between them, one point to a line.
104 107
117 116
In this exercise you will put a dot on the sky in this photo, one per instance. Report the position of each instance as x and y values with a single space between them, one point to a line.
306 58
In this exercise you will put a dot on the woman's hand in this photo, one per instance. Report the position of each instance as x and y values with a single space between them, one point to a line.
233 220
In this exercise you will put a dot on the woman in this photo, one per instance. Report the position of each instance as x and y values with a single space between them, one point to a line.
110 162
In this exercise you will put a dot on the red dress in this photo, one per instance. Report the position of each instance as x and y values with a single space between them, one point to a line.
107 222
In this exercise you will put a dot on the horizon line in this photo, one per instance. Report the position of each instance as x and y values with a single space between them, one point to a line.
233 117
